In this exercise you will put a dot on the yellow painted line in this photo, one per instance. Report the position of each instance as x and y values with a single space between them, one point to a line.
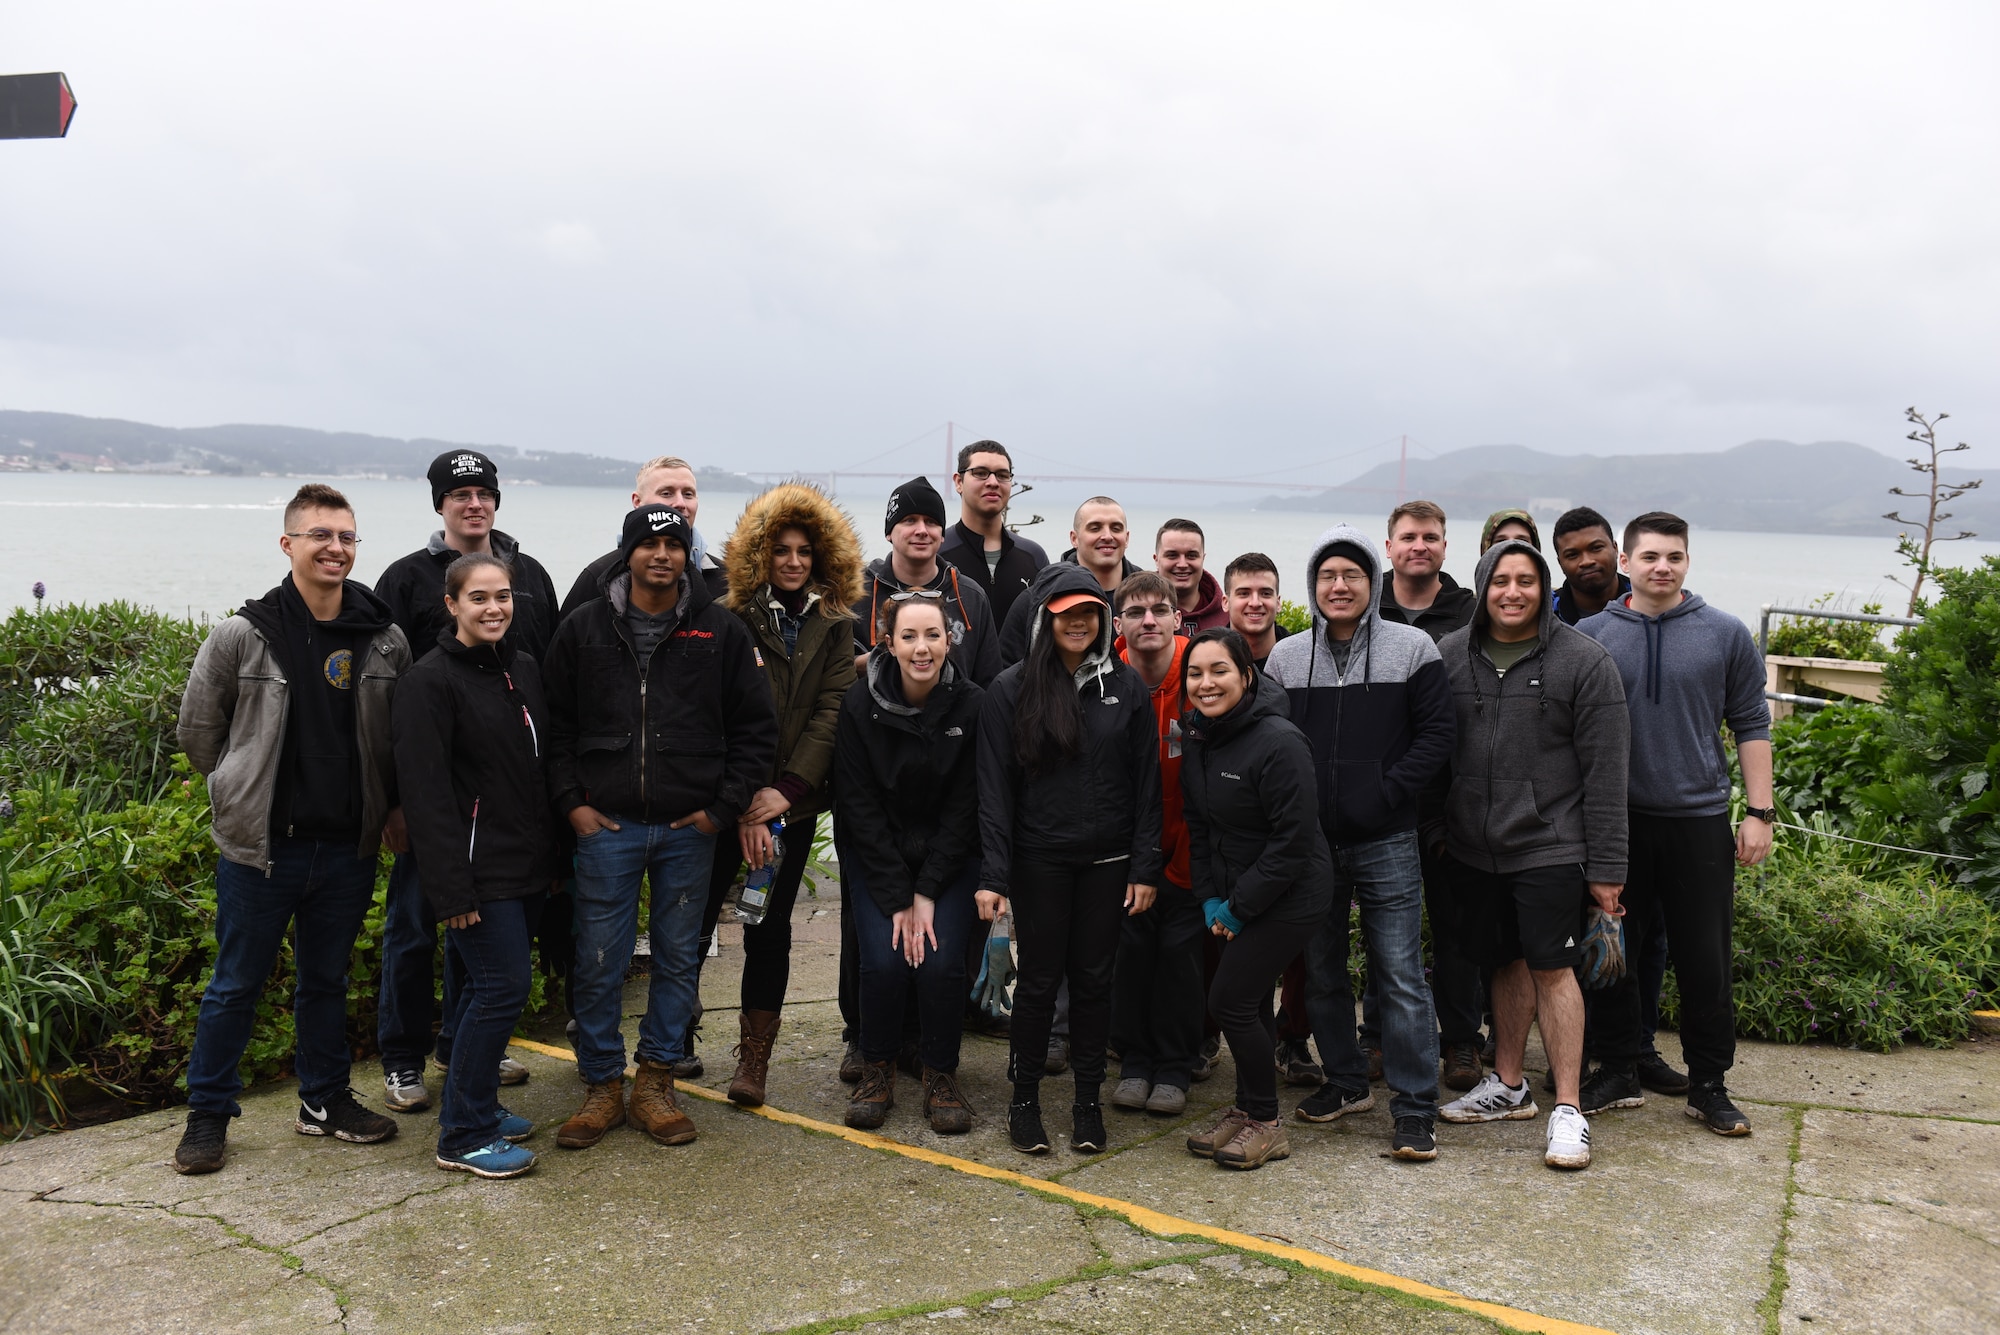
1986 1020
1152 1221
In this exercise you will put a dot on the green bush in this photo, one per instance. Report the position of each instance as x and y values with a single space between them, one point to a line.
1835 947
1814 637
1293 616
1824 760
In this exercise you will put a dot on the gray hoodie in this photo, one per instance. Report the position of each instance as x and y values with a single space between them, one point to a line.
1687 671
1539 771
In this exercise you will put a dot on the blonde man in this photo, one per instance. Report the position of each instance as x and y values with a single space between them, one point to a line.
665 480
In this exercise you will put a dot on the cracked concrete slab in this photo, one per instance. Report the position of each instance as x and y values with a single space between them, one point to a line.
1868 1269
1944 1171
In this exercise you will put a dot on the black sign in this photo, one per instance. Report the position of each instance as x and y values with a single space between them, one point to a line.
35 106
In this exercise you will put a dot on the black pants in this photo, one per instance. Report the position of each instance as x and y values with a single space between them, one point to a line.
1687 866
1240 1001
767 947
1156 1008
1066 924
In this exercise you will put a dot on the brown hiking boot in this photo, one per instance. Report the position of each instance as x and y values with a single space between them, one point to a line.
1219 1132
873 1096
654 1107
603 1108
1461 1067
753 1057
1254 1145
945 1104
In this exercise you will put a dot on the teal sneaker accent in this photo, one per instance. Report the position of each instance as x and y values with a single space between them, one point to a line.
500 1159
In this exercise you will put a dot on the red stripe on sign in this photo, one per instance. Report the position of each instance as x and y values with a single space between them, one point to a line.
65 104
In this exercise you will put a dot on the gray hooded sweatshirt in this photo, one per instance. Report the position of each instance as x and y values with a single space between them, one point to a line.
1539 771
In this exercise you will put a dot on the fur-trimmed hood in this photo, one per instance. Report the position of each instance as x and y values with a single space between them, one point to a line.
836 550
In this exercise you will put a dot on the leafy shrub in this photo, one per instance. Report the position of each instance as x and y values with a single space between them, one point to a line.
1293 616
1835 947
1814 637
1823 760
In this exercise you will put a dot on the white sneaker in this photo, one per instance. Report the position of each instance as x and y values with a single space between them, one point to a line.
1491 1101
1569 1139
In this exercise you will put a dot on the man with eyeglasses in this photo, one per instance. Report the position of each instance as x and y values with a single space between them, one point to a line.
287 714
979 544
465 492
1373 699
1157 1000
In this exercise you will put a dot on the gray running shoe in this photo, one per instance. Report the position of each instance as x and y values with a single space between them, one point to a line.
404 1091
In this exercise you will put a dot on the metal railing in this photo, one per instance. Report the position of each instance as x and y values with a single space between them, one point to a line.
1769 610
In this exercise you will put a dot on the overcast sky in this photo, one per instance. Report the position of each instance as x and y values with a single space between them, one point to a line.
1187 239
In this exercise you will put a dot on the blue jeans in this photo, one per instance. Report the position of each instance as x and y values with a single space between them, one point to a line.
887 978
326 888
406 1001
609 867
1386 878
494 954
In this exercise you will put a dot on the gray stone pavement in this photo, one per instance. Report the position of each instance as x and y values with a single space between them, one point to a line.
1868 1199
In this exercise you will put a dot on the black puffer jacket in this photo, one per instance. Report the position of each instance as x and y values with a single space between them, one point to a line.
1104 803
906 782
1252 813
471 728
413 586
699 733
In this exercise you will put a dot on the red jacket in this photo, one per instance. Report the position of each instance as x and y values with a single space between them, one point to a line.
1210 612
1168 706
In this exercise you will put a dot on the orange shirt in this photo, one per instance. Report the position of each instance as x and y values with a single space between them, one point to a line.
1168 706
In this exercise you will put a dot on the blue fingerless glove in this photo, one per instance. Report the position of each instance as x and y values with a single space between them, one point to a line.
1217 911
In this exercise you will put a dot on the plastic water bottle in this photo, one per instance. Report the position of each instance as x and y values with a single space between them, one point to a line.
753 901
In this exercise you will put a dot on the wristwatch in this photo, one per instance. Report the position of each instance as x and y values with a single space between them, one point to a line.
1769 815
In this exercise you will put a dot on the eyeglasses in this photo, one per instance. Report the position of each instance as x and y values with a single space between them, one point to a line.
908 594
467 495
1355 578
980 473
1158 611
326 537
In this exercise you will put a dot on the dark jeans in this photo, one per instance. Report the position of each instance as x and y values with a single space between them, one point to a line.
406 997
494 954
1687 866
1384 876
326 889
767 947
1066 925
1240 1001
887 980
1156 1006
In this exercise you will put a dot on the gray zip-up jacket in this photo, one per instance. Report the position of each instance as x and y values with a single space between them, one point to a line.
1539 771
232 726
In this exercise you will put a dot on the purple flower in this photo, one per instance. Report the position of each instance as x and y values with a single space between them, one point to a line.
40 590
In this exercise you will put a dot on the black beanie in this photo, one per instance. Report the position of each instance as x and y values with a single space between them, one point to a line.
1352 551
915 497
461 468
654 521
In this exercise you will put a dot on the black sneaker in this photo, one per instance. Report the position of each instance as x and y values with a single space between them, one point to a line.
201 1147
343 1118
1204 1062
1086 1135
1610 1087
1656 1075
1296 1065
1709 1104
1025 1130
1333 1102
1414 1139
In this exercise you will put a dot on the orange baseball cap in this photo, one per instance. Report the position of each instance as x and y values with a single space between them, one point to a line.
1068 600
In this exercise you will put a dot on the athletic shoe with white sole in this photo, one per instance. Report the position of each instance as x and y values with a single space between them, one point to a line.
500 1159
1610 1087
343 1118
1131 1093
514 1127
1709 1103
1569 1139
512 1072
404 1091
1415 1140
1491 1100
1330 1101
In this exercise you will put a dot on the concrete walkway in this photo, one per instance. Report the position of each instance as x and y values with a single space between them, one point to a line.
1868 1199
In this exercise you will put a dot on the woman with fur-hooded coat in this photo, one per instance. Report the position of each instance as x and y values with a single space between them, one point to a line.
794 567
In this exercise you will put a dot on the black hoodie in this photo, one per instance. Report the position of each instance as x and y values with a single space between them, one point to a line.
1252 811
469 723
1015 631
906 782
319 776
413 587
1103 804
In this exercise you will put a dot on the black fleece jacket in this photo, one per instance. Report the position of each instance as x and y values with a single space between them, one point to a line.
590 584
470 725
1451 609
1015 629
1020 560
697 732
413 586
1252 813
906 782
1104 803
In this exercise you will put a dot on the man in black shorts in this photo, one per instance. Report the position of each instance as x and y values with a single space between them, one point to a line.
1533 827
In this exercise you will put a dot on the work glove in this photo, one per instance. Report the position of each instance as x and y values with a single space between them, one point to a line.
1603 949
993 990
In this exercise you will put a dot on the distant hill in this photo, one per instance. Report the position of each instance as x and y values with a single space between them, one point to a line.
1831 486
41 441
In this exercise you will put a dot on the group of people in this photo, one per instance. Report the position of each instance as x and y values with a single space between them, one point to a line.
1168 803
